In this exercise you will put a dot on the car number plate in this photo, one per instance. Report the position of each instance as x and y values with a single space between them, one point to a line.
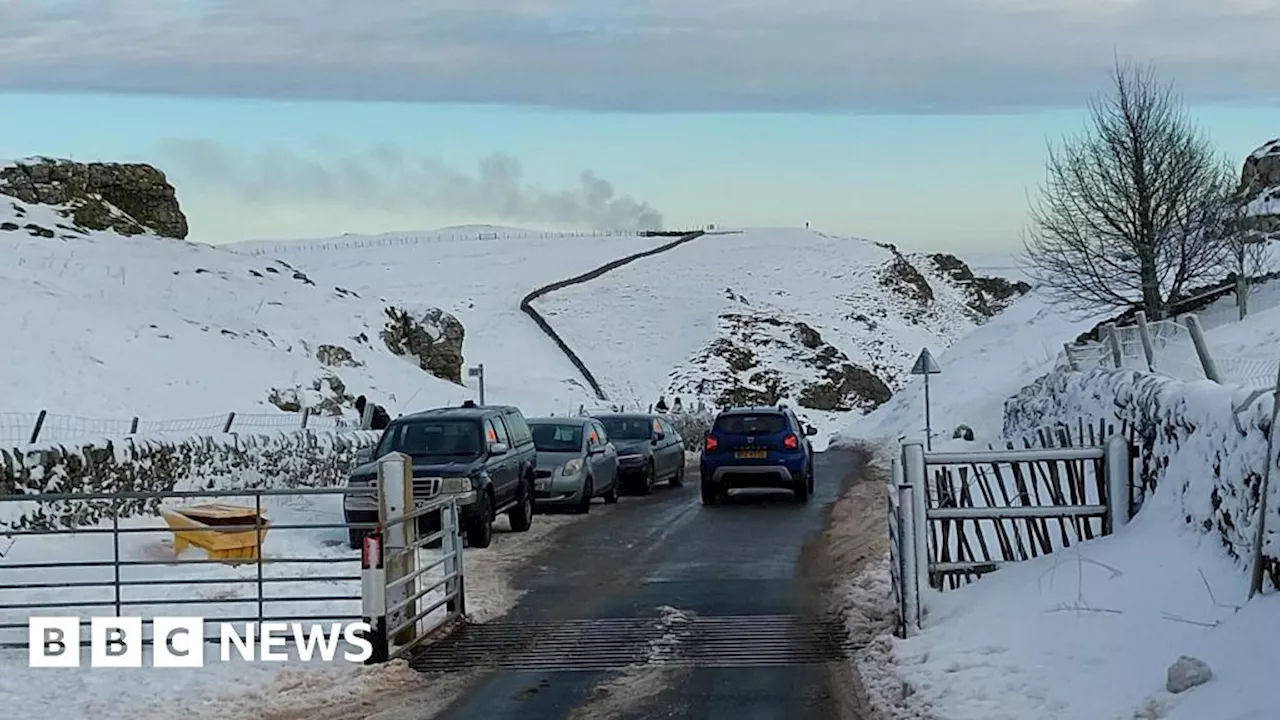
751 454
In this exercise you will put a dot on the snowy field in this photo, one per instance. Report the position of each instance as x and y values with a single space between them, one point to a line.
480 274
115 327
1087 633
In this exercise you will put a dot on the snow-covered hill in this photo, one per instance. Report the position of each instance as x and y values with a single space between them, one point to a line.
117 327
828 323
101 325
479 274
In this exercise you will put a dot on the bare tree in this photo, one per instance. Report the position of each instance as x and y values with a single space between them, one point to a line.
1247 252
1133 210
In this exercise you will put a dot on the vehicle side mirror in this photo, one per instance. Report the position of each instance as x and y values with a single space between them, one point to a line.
498 448
364 456
658 437
810 431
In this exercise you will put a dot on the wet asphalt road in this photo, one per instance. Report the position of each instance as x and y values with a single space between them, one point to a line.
664 608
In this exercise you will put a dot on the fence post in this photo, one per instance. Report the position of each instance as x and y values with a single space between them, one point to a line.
306 415
1119 463
913 466
231 417
1113 340
35 431
1071 359
133 425
908 561
1144 332
1202 347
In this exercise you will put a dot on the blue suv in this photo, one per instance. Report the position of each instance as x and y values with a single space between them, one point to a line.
757 447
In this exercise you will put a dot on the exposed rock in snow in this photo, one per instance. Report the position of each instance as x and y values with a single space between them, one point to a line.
431 336
1187 672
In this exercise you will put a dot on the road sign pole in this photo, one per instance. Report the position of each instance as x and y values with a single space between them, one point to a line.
477 372
925 365
928 419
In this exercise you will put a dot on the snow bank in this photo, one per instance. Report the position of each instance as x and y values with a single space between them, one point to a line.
979 372
1089 632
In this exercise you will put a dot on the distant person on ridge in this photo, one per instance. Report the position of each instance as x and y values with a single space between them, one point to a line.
662 404
676 407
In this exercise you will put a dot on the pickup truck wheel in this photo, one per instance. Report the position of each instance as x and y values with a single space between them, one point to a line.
356 538
521 516
480 530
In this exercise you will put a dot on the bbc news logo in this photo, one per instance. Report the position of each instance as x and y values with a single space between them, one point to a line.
179 642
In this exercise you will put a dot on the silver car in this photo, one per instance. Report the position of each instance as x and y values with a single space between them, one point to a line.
576 462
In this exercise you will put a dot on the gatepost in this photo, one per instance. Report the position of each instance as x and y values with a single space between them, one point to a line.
395 501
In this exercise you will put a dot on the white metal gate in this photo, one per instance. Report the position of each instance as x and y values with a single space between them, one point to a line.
933 499
411 590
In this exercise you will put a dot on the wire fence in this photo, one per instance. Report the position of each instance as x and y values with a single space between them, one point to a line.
358 243
1174 348
29 428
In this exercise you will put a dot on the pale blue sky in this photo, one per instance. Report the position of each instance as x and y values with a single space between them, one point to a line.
919 122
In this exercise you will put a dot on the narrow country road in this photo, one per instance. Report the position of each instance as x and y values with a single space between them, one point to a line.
668 609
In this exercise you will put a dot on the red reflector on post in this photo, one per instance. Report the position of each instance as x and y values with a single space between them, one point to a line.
371 553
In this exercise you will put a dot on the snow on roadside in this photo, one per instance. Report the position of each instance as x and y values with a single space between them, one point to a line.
1087 633
979 372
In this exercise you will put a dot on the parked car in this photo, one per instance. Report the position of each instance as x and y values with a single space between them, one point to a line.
482 455
576 462
650 450
757 447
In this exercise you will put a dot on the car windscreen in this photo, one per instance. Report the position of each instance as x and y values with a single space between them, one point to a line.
627 428
560 437
742 424
433 438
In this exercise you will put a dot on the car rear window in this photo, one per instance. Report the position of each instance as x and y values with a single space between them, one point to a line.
558 437
762 424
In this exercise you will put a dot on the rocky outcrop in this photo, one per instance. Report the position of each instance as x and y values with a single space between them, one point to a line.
758 359
129 198
432 337
1260 188
901 277
987 295
327 395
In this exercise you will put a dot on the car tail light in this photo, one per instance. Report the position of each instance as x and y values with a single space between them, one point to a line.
712 443
790 442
